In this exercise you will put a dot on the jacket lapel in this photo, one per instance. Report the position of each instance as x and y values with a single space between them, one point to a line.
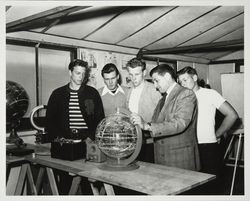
170 99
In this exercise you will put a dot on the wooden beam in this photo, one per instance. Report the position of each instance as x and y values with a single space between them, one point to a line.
69 42
42 17
157 59
176 57
51 25
236 61
206 47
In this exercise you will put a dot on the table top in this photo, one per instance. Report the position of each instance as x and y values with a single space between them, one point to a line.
149 178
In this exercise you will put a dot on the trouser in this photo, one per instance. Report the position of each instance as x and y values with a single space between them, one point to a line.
211 157
147 150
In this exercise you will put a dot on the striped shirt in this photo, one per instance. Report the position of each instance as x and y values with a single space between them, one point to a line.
76 120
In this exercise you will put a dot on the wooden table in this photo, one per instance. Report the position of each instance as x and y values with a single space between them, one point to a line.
151 179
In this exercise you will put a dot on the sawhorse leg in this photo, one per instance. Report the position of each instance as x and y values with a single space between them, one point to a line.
229 147
236 163
75 185
109 189
25 171
105 189
40 179
52 182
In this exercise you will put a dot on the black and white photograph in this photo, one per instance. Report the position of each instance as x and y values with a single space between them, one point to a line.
124 98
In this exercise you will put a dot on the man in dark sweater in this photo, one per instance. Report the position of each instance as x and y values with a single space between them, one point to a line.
73 112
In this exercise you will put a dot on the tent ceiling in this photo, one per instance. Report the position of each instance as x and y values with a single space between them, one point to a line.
197 32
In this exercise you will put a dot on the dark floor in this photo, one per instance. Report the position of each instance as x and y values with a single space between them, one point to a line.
223 185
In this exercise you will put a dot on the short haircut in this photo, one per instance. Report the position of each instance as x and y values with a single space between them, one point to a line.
108 68
84 64
77 62
188 69
135 62
162 69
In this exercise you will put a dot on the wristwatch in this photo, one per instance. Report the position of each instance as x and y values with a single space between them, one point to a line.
148 126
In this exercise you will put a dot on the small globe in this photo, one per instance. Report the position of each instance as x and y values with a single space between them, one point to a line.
116 136
17 103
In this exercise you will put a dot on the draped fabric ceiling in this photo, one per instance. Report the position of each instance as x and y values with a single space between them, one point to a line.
202 33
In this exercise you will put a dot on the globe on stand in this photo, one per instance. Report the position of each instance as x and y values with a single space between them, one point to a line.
120 140
17 103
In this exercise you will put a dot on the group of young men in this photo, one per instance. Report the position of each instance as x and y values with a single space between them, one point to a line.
173 110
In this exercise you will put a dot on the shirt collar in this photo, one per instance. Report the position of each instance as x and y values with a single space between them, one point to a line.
171 88
106 90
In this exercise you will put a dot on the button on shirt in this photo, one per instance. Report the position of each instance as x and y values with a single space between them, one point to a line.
135 98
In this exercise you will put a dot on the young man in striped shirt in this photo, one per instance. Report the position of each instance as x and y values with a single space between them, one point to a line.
73 112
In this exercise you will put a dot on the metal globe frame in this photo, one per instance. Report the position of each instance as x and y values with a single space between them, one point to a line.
124 164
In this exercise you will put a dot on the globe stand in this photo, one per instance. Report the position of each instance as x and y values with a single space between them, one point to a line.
19 148
15 139
115 165
42 136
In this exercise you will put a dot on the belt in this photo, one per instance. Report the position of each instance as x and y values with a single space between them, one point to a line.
76 130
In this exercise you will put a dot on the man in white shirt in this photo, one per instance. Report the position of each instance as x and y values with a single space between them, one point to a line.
208 101
142 99
113 95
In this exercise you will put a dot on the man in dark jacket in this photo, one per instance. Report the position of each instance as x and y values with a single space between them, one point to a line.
73 112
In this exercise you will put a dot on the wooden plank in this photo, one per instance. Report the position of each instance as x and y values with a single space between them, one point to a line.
149 178
102 191
94 189
68 166
75 185
109 189
52 181
8 168
31 181
21 180
40 179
